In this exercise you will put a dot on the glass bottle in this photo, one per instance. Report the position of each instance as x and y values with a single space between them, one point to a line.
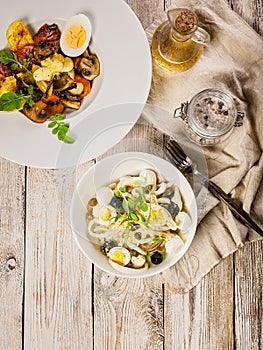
178 43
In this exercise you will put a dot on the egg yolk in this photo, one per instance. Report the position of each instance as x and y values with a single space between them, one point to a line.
105 214
119 257
75 36
156 217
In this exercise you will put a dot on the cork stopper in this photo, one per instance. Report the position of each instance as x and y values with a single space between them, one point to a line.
186 21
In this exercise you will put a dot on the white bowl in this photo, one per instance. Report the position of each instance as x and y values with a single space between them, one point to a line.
105 172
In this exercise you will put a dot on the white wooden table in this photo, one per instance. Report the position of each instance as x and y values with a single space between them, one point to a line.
53 298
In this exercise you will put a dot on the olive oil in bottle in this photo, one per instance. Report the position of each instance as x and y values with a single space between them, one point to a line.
178 43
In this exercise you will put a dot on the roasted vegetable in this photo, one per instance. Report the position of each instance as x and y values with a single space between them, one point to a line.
86 85
63 82
53 105
37 113
89 67
8 84
71 104
18 35
25 54
46 41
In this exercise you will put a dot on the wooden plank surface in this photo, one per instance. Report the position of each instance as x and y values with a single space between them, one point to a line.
49 301
58 279
12 214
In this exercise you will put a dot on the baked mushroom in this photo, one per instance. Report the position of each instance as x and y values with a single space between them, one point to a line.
37 113
89 67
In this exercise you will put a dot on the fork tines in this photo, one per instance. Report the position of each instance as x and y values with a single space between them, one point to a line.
177 155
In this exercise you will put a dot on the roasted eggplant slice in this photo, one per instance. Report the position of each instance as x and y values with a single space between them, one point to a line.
63 82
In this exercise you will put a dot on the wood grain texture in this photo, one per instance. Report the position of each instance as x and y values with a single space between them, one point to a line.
12 213
58 278
250 11
249 297
204 315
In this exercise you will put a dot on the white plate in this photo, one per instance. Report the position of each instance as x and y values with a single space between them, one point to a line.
109 170
119 93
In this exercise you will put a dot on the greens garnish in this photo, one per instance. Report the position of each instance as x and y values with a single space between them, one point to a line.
159 239
132 208
60 128
11 101
7 57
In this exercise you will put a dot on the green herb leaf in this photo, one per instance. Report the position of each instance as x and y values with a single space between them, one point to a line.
6 57
55 131
60 117
61 135
134 217
24 63
30 89
144 206
118 193
125 205
158 239
51 124
131 204
60 128
14 66
69 139
10 101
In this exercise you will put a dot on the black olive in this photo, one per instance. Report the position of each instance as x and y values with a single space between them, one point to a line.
116 202
156 258
106 246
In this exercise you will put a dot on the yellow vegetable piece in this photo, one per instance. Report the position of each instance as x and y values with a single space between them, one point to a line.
7 85
68 64
18 35
45 74
55 63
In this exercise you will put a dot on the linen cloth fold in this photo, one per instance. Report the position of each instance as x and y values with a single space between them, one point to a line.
232 62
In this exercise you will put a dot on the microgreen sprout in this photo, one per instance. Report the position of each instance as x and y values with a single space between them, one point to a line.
60 128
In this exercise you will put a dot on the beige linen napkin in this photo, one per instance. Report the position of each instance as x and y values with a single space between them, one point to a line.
233 62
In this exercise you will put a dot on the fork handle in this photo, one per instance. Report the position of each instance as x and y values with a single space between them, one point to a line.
238 212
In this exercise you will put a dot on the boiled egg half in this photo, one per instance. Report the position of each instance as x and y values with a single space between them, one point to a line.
76 35
119 255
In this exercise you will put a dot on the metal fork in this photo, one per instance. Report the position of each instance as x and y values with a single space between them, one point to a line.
177 155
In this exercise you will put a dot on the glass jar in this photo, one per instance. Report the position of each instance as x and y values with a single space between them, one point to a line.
178 43
210 116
